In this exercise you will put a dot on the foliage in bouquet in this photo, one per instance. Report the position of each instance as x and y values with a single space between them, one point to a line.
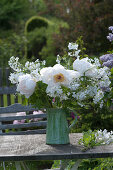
72 82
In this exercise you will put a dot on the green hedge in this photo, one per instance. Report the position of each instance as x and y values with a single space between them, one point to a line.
39 33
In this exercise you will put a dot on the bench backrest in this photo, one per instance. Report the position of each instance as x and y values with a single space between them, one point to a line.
6 89
32 124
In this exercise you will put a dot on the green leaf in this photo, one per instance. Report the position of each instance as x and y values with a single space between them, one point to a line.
39 97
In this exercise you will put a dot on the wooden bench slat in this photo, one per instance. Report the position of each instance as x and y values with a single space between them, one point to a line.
16 108
31 116
28 132
8 90
24 125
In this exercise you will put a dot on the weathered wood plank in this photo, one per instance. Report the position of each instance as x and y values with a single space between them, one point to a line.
31 116
33 147
8 90
16 108
23 125
28 132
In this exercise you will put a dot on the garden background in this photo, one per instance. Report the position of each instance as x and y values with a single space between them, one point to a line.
31 29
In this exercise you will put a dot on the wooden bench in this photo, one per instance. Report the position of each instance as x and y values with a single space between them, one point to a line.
23 145
9 113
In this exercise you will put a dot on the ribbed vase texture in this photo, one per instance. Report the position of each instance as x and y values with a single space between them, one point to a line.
57 127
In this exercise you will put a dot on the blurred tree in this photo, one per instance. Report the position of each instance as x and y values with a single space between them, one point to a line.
12 11
13 45
39 34
89 18
35 31
38 5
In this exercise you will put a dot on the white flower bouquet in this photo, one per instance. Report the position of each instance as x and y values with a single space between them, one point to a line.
66 84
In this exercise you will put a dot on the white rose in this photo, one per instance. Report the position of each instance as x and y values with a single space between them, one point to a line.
26 85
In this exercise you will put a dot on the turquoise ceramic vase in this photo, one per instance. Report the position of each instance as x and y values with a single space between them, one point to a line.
57 131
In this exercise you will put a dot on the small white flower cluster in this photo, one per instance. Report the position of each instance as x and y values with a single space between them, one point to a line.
14 64
104 137
98 80
19 70
25 77
73 47
85 81
58 60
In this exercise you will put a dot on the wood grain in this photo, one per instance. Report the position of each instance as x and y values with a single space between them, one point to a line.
33 147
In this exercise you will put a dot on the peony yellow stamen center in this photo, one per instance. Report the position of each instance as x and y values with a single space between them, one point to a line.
59 78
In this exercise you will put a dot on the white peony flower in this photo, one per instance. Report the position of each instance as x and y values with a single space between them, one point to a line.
82 65
26 85
93 72
46 74
73 74
56 75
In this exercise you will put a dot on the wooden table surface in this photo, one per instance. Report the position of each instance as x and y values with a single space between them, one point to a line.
33 147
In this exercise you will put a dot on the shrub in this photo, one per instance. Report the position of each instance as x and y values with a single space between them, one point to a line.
11 46
34 22
40 44
11 12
